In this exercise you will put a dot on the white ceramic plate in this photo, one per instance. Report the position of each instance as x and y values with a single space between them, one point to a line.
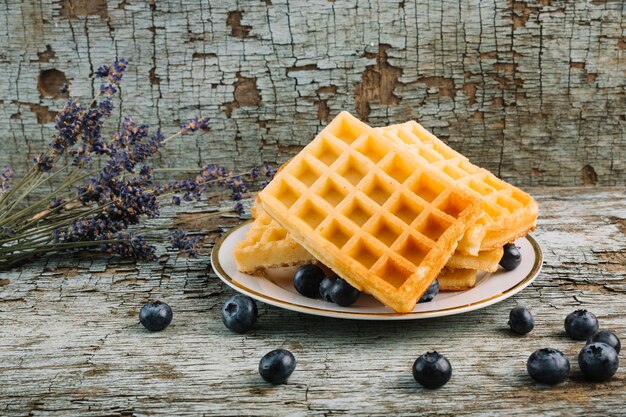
490 288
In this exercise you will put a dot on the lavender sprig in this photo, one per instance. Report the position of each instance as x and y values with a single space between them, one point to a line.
5 179
102 208
183 242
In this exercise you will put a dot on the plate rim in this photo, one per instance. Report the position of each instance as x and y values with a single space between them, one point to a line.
227 279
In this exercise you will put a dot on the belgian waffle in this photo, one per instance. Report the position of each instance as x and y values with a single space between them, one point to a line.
509 212
268 245
375 214
456 279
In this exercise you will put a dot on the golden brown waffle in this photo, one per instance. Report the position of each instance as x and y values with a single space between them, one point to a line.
456 279
268 245
375 214
486 260
509 212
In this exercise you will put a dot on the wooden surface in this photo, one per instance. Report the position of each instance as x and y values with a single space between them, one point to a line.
533 90
70 341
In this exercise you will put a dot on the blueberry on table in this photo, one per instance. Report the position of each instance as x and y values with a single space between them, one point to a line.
155 315
276 366
581 324
325 287
430 293
606 337
239 313
343 294
307 280
511 258
432 370
520 320
598 361
548 366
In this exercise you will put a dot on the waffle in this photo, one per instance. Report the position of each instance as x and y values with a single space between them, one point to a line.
268 245
509 212
456 279
376 215
486 260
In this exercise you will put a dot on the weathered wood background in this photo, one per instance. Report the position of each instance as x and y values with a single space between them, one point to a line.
70 341
533 90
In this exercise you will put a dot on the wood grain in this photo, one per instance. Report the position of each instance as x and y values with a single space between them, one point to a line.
70 342
533 90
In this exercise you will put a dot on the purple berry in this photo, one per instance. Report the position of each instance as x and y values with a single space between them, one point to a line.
276 366
606 337
598 361
239 313
432 370
155 315
548 366
521 321
581 324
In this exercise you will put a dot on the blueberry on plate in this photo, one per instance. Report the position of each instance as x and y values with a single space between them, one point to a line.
581 324
432 370
430 293
239 313
276 366
520 320
343 294
155 315
598 361
606 337
511 258
307 280
325 287
548 366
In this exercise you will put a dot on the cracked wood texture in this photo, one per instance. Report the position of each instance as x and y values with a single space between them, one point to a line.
532 90
70 341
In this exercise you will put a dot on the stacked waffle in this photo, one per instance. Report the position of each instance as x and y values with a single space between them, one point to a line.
388 209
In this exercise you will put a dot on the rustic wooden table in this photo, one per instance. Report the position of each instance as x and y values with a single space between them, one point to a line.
70 342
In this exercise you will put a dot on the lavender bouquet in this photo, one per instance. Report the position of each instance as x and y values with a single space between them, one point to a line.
102 188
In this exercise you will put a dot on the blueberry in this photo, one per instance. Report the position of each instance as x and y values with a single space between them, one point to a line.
548 366
325 287
598 361
343 294
307 280
521 321
276 366
606 337
155 315
430 293
581 324
239 313
432 370
511 258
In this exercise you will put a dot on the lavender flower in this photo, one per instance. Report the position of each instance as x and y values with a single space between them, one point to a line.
195 124
68 124
56 202
113 75
5 179
189 245
119 196
131 245
44 162
106 106
129 133
265 171
7 231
